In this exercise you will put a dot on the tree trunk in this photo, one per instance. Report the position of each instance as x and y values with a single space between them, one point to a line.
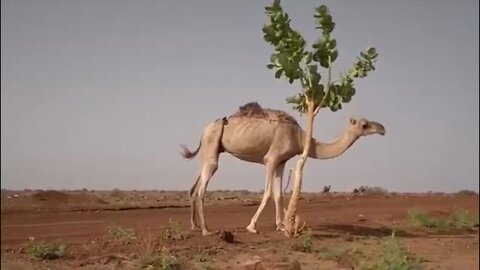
291 220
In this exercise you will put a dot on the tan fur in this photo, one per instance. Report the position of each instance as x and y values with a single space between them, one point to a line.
268 137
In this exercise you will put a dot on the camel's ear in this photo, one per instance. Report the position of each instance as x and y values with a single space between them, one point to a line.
352 121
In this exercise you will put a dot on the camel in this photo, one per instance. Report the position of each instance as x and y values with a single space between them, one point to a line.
268 137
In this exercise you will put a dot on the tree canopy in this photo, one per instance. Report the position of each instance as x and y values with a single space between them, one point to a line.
294 62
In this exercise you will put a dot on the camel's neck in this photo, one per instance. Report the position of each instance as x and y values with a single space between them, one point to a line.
320 150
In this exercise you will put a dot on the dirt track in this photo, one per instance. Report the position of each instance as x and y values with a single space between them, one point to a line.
333 219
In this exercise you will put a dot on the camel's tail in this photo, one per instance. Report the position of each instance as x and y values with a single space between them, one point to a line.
186 153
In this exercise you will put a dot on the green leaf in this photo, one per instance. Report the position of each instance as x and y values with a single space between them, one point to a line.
270 66
332 44
333 55
322 9
331 95
309 58
282 60
313 68
312 77
353 73
324 63
278 74
273 57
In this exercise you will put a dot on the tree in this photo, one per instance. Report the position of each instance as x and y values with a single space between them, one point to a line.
292 61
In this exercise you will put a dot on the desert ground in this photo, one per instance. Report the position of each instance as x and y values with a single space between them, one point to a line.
151 230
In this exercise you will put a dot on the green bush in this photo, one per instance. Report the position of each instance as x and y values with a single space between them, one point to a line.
47 250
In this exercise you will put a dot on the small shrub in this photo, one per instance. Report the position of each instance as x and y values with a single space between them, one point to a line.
203 260
174 231
462 220
420 219
305 243
47 250
333 254
393 255
162 261
125 236
457 220
396 256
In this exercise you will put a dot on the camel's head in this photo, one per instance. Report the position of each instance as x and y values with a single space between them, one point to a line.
364 127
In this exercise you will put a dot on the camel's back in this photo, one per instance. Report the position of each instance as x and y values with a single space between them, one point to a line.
254 110
249 132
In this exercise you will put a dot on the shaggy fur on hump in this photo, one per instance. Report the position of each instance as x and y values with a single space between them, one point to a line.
254 110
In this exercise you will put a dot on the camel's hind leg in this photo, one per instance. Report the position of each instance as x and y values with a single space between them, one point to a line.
193 207
209 151
209 168
277 195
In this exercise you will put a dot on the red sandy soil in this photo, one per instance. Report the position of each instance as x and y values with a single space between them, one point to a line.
80 219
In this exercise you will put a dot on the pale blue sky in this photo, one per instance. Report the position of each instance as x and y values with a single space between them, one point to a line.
99 94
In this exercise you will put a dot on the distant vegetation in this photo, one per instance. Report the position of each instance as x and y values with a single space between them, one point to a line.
376 190
457 220
465 192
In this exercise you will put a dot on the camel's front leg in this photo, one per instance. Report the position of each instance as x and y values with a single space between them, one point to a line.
278 196
266 195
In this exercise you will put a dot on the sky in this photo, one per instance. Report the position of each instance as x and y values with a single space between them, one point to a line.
100 94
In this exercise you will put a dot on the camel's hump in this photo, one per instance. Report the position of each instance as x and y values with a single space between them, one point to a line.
254 110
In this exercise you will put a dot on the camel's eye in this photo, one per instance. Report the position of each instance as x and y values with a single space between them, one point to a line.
365 125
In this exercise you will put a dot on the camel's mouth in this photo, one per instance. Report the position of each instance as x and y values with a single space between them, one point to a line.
379 128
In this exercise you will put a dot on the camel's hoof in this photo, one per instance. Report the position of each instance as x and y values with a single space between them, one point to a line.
195 228
207 233
251 229
280 229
